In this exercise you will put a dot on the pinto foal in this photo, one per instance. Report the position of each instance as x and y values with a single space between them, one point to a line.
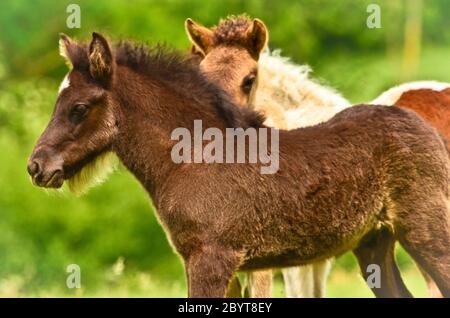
368 177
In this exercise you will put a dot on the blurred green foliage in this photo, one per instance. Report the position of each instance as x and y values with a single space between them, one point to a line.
41 233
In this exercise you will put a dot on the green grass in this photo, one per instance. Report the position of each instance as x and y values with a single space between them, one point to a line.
363 77
341 284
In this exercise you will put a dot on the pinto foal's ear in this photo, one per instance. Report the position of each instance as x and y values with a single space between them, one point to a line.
73 53
196 52
258 36
101 62
200 36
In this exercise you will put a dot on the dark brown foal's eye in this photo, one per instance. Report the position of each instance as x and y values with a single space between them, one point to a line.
247 83
78 113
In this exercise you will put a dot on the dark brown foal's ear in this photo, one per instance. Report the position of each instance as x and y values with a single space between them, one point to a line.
101 63
200 36
258 36
73 53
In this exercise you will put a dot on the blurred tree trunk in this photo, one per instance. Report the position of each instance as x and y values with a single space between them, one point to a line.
412 39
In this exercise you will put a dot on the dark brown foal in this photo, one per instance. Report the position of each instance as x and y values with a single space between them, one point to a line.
339 185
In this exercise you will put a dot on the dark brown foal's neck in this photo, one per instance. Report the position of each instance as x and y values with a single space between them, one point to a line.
151 107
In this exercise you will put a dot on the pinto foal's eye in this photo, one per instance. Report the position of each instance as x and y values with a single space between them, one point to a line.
78 112
247 83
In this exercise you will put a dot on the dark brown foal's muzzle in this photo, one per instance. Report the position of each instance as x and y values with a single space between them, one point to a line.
45 167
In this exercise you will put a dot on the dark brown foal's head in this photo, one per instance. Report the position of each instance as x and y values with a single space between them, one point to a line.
83 124
230 54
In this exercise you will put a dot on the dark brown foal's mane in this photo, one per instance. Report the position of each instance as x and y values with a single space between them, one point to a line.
175 69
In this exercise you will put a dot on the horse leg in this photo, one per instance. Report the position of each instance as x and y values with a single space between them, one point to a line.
260 284
234 288
378 247
210 271
425 235
433 289
321 270
298 281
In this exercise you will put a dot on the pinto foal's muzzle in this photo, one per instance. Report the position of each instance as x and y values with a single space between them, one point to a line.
45 167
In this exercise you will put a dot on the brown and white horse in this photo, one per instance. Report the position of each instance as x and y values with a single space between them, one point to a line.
430 99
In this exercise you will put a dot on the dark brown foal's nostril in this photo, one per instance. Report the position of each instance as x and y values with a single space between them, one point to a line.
33 168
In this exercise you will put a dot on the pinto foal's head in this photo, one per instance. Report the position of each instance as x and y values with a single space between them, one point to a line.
78 138
230 54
